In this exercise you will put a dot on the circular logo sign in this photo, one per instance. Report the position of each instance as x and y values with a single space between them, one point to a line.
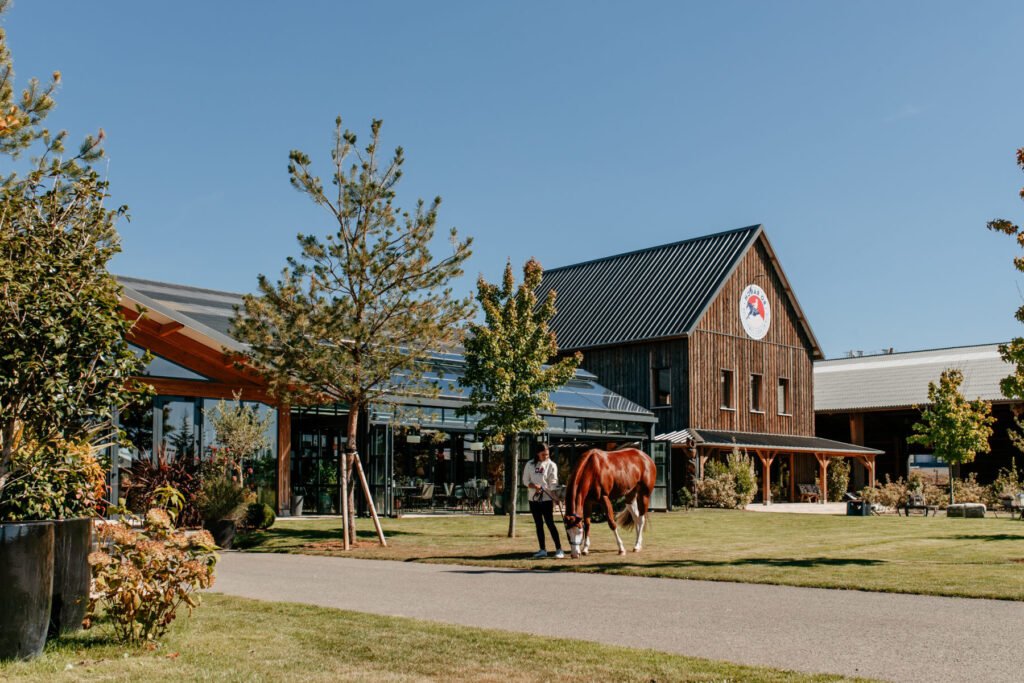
755 312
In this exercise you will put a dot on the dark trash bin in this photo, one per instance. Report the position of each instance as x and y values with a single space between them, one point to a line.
858 508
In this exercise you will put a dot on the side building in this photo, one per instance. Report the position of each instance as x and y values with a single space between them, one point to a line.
708 334
875 401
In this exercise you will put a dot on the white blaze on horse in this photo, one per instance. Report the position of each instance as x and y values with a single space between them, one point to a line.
601 477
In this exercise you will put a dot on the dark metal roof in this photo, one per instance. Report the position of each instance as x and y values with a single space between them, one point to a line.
653 293
778 442
209 307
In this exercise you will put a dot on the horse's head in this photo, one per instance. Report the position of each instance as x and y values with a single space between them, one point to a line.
574 532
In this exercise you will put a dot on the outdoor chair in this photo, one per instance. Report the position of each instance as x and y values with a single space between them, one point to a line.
915 501
424 497
809 493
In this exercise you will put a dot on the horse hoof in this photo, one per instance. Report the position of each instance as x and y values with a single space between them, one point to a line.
636 550
622 552
586 552
574 556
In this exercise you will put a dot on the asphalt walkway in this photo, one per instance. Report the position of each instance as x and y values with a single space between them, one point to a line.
878 635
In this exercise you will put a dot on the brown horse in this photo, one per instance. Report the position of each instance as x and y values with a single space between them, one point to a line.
602 477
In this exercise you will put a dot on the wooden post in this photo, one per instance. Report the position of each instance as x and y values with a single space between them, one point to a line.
823 469
345 464
857 428
766 474
284 459
369 500
792 479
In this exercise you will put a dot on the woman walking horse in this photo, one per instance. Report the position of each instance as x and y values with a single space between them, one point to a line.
600 478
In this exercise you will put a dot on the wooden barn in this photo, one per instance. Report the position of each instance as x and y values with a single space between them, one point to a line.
709 335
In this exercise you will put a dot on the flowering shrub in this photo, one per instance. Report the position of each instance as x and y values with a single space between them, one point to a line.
716 492
889 495
140 579
731 484
969 490
55 480
142 483
838 478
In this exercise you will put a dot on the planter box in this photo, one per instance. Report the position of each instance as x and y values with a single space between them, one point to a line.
26 577
223 532
71 575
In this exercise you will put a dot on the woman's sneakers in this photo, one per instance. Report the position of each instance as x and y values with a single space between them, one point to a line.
540 554
559 555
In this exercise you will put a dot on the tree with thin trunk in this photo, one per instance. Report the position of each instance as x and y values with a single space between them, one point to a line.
352 319
953 427
1012 386
65 363
512 366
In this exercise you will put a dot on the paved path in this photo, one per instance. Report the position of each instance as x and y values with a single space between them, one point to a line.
879 635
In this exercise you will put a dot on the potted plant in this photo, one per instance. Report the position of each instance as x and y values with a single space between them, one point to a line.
221 502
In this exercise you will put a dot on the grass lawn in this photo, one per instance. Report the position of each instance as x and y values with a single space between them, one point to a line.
232 639
982 558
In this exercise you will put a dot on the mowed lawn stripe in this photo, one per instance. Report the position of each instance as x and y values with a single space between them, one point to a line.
981 558
235 639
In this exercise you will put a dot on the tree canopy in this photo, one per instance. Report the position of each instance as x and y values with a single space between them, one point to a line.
512 365
953 427
353 317
64 360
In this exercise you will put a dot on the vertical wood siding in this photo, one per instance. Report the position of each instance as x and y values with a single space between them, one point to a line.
626 370
720 342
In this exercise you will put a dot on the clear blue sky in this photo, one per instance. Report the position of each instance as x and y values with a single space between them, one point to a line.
873 140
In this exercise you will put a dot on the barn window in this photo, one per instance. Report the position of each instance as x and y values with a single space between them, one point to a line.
756 404
726 381
782 395
662 383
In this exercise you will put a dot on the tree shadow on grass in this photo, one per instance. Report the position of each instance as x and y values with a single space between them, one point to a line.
987 537
299 537
618 566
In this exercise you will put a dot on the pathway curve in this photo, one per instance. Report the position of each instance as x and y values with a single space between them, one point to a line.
879 635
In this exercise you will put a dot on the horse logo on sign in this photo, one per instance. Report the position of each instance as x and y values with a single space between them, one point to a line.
755 312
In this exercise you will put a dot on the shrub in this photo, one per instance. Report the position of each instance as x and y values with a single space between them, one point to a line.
145 479
683 498
741 467
140 579
56 480
969 490
889 495
259 516
221 498
717 492
838 478
1007 483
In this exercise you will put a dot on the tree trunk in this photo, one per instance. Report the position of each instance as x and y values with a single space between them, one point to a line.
348 485
511 481
950 483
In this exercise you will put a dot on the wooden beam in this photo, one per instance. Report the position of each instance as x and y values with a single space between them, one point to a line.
857 428
168 328
187 387
284 459
792 479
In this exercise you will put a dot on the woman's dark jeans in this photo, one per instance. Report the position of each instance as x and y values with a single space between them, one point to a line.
544 513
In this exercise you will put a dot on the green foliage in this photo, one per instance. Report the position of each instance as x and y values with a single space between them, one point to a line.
683 498
351 319
240 430
1007 483
140 579
969 490
144 484
64 362
221 498
731 484
953 427
55 480
838 478
259 516
507 356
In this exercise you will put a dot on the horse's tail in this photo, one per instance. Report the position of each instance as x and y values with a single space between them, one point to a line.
625 520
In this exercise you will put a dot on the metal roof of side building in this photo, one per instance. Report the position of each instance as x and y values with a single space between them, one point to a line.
900 380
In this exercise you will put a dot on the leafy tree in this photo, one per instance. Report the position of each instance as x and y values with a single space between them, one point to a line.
240 431
953 427
1012 386
507 368
353 317
64 361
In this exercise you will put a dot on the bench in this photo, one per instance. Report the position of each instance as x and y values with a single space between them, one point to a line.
916 502
809 493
